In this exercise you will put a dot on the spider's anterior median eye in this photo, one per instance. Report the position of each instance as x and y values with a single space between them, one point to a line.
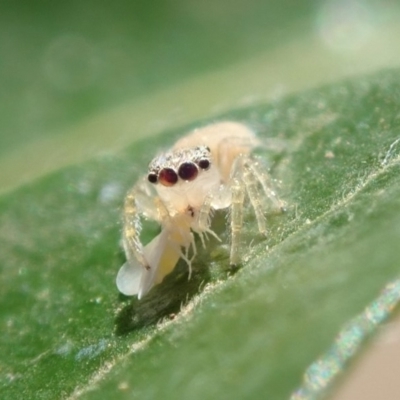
167 177
188 171
204 164
152 177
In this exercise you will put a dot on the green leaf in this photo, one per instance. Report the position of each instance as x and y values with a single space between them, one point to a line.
66 333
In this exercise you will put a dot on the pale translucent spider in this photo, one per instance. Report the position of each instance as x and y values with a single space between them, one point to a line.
209 169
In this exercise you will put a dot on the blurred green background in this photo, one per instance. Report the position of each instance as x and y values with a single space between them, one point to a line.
62 62
81 77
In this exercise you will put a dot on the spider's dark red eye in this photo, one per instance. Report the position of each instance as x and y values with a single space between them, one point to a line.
204 164
152 177
188 171
167 177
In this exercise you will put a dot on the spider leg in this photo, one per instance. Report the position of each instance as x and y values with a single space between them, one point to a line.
138 202
130 274
131 230
251 183
246 178
141 269
238 192
263 178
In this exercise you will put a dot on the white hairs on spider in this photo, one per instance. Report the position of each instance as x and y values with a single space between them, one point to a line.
211 168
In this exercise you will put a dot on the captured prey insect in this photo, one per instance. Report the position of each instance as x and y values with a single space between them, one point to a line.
209 169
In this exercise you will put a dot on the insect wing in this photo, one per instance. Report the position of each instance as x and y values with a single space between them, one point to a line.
128 278
152 252
133 277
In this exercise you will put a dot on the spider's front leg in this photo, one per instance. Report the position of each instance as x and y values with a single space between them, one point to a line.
140 201
131 230
130 274
145 265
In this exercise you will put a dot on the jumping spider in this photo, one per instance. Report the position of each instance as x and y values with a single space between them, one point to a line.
209 169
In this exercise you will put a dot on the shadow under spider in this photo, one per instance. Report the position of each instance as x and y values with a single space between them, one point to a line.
164 300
